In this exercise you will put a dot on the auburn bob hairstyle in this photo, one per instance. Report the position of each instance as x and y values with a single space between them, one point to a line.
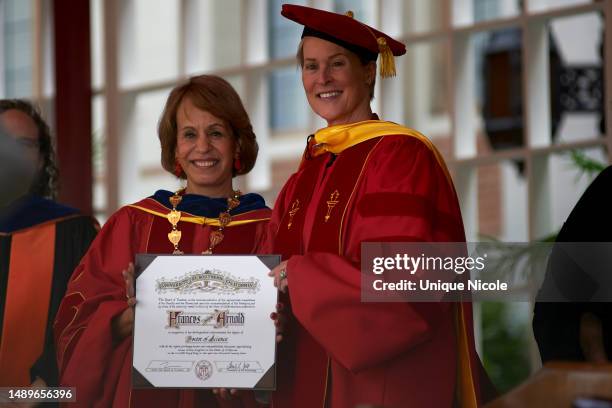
216 96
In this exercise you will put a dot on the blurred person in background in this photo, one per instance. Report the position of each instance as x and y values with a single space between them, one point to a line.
577 330
362 179
206 139
41 242
16 171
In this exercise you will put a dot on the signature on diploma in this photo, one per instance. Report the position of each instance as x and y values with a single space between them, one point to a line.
239 366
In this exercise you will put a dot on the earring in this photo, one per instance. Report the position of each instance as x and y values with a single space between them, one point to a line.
237 164
178 170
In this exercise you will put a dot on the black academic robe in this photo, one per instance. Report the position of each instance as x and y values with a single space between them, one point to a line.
556 326
41 242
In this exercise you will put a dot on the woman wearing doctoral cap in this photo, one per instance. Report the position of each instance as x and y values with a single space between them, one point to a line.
362 179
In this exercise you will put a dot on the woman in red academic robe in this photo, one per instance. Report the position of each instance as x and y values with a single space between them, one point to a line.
362 179
206 138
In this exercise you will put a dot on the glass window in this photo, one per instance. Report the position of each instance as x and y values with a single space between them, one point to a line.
362 10
97 43
17 26
424 78
98 147
204 51
423 16
543 5
227 28
289 107
284 34
149 41
142 173
493 9
467 12
238 83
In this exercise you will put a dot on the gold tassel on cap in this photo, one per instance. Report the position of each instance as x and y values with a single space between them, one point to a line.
387 62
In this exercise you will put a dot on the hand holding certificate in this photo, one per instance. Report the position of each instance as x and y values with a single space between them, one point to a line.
204 322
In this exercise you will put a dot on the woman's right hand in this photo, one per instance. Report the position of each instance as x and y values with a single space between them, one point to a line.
123 324
280 320
280 275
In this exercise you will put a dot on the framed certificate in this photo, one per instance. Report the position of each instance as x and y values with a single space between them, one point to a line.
203 321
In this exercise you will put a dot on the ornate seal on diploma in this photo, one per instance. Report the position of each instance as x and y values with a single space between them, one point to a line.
203 370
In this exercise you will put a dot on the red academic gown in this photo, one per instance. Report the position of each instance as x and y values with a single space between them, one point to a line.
87 357
337 351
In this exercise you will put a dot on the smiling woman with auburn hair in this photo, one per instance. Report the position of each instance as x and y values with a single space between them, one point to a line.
206 138
208 93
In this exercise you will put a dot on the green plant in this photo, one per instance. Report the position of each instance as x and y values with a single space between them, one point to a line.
504 342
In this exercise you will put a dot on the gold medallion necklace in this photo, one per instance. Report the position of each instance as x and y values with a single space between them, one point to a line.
216 237
174 216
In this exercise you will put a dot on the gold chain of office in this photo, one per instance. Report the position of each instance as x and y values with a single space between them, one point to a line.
174 216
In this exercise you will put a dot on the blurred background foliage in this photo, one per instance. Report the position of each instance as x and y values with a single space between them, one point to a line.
505 343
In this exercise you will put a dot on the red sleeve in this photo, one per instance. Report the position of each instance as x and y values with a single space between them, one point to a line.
87 357
404 196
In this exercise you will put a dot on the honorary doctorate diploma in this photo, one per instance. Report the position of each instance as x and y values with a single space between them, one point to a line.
204 321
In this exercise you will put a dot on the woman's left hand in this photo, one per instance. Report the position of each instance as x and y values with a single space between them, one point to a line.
123 324
280 275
